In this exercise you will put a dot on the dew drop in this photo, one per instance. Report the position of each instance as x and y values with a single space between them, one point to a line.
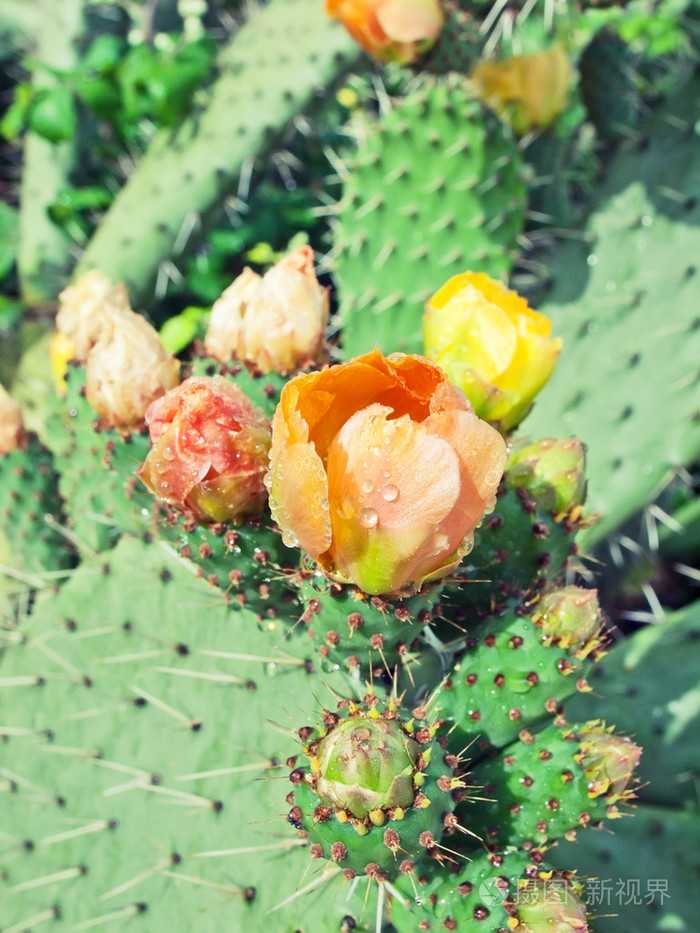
367 486
490 505
168 453
165 487
492 478
368 517
390 493
467 545
290 539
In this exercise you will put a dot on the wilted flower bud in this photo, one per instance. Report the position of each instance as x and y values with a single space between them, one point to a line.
551 470
550 905
12 432
390 30
380 471
81 310
529 91
276 321
127 369
569 616
608 760
209 450
366 764
491 344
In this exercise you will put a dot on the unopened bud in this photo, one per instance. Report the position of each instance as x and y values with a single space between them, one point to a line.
550 905
551 470
277 321
127 369
366 765
608 760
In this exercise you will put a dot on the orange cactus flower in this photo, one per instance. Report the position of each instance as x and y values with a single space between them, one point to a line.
209 450
380 471
491 344
390 30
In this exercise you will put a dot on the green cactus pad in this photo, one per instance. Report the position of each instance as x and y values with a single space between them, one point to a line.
624 300
436 188
651 681
140 761
511 677
517 549
32 511
103 498
482 895
356 631
538 789
642 876
392 809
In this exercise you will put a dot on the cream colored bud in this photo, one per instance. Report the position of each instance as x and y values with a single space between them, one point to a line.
81 309
127 369
12 433
276 322
225 337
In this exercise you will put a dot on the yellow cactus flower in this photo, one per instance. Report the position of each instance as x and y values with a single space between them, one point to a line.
381 471
491 344
529 91
390 30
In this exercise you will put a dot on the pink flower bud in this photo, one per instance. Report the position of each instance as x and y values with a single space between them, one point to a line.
12 432
276 321
127 369
209 450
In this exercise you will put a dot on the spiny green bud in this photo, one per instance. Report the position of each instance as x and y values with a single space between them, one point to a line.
366 764
551 470
608 760
568 617
550 905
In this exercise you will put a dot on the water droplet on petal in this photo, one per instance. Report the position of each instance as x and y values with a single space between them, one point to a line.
289 539
368 517
367 486
390 493
490 505
492 478
168 453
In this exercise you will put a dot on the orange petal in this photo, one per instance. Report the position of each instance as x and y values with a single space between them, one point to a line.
392 483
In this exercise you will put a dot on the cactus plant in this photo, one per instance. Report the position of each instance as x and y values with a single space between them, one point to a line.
206 726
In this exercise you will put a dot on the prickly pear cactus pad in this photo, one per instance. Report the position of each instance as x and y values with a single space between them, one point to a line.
435 187
625 301
300 625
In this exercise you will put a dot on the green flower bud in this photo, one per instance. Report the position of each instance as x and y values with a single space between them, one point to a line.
552 471
366 764
568 616
551 905
608 760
